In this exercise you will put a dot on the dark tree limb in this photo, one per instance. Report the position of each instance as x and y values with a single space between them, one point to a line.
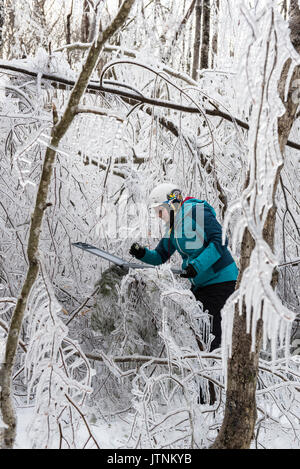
135 98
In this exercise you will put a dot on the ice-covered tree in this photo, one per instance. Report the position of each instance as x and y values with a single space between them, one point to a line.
143 119
258 312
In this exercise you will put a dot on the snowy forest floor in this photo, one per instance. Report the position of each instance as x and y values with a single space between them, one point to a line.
112 435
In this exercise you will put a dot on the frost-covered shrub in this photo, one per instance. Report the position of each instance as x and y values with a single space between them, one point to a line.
124 312
167 382
106 311
128 310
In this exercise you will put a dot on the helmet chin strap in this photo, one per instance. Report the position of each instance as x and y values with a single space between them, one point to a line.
174 209
174 205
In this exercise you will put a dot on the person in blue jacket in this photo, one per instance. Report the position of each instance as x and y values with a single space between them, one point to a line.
193 231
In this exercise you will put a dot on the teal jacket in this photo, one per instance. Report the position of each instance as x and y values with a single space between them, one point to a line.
197 236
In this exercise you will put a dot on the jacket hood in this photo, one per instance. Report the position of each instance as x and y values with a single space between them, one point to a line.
193 201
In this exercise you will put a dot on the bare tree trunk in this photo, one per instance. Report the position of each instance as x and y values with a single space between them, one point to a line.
187 49
59 129
197 39
284 9
88 23
184 21
240 411
179 31
205 34
294 14
16 45
214 42
1 25
38 39
68 24
85 23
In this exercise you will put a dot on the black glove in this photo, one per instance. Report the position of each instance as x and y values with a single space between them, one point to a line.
137 251
190 272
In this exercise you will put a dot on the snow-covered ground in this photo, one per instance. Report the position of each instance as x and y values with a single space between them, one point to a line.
108 435
113 435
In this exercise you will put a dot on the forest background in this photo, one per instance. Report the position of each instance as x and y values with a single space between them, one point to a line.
100 101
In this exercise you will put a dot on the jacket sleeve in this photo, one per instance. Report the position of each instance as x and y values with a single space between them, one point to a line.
214 249
160 254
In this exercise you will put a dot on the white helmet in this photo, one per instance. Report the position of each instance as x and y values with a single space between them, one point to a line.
163 194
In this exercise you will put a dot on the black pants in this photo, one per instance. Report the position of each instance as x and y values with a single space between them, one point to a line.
213 298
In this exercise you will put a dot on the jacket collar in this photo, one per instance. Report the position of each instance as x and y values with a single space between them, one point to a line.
187 198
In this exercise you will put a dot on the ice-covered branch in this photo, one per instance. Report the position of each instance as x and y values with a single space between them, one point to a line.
214 112
99 112
255 317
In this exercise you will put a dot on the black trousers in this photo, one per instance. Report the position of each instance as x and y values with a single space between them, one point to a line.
213 298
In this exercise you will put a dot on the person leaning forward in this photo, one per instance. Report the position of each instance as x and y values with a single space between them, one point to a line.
193 231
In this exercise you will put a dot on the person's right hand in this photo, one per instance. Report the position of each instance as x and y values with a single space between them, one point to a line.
137 251
189 272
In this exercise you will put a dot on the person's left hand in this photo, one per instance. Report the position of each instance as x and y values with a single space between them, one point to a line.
137 251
